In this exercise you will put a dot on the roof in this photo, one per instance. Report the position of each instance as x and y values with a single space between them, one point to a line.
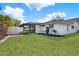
64 22
58 22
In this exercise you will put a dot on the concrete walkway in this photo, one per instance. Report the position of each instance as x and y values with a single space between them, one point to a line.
1 41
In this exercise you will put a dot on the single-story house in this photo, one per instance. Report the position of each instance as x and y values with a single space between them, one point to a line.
57 27
52 27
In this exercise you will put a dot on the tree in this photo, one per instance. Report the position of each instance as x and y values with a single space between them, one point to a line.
17 22
9 21
1 17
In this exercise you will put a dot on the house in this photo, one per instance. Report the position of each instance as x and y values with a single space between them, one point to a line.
53 27
57 27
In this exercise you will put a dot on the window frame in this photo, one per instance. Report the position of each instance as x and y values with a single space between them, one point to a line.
51 25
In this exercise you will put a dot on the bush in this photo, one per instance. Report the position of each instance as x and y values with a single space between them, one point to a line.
54 31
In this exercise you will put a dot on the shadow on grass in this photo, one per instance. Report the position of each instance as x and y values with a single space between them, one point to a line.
54 37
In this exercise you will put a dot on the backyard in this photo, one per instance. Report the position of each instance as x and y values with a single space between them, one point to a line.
41 45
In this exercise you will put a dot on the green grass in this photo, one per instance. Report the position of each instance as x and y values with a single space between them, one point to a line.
41 45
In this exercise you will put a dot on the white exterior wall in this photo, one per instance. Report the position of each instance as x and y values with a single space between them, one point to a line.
38 27
60 28
41 29
15 30
77 24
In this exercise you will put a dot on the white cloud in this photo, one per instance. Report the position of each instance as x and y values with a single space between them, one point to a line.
38 6
16 13
52 16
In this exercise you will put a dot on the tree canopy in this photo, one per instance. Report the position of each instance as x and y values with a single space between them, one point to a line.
9 21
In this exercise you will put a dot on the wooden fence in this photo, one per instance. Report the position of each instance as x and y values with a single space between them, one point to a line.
2 30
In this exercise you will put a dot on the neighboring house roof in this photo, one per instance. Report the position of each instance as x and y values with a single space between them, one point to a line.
74 20
29 23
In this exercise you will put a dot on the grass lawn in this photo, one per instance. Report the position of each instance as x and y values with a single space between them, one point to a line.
41 45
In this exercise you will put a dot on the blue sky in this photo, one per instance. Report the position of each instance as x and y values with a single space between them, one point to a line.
31 14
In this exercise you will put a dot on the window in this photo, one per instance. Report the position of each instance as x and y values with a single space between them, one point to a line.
51 25
72 27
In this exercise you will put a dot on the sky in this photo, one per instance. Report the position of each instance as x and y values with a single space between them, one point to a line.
40 12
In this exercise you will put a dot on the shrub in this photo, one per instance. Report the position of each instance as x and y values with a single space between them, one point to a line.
54 31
